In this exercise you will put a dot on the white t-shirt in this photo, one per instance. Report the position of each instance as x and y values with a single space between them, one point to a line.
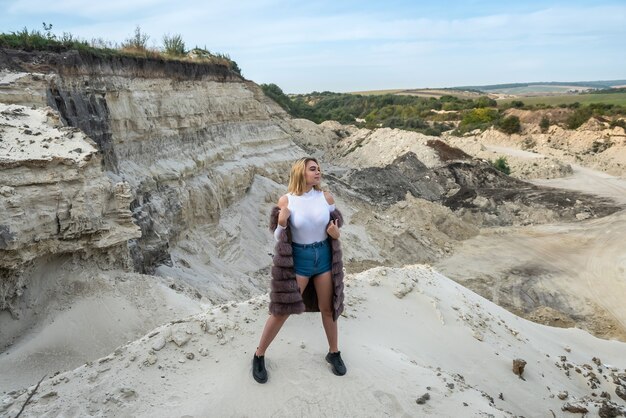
309 217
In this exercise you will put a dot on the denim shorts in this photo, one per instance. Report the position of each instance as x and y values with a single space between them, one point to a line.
312 259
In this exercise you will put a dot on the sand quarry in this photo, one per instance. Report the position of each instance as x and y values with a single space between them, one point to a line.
415 342
419 339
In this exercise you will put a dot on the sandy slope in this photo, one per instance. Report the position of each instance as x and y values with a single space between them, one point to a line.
577 269
406 332
79 314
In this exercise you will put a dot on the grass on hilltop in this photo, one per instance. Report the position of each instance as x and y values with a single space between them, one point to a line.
135 46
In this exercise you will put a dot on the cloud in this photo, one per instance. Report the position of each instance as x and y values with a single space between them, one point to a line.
74 8
347 42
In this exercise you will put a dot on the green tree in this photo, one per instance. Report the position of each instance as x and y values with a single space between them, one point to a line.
578 117
510 125
502 165
480 115
296 108
618 122
485 101
235 67
276 93
480 118
544 124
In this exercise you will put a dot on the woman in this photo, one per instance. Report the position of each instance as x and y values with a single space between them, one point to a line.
307 275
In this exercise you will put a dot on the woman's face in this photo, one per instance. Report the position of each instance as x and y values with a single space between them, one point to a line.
312 173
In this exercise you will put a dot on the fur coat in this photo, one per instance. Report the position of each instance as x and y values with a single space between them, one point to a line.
285 296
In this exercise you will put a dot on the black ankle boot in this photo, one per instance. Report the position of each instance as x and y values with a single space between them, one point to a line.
258 369
335 360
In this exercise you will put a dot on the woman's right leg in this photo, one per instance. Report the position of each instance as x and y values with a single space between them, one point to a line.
275 322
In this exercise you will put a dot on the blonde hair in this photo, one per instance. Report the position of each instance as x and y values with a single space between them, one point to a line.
297 179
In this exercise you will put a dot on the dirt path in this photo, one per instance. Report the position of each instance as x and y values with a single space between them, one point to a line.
558 274
590 181
583 180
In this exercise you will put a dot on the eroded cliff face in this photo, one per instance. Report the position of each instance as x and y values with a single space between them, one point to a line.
55 197
166 146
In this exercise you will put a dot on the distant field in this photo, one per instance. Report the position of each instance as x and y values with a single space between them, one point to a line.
536 89
375 92
611 98
436 93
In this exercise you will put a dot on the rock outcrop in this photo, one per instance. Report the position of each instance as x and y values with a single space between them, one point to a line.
594 144
55 196
384 165
176 142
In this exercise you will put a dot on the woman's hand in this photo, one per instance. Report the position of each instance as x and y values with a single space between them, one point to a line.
333 229
283 216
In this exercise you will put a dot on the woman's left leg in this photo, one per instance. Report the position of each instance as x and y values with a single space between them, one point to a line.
324 288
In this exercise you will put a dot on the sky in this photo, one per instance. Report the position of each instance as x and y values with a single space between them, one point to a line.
346 45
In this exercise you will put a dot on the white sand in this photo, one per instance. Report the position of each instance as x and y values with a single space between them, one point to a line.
27 135
580 266
78 314
406 332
